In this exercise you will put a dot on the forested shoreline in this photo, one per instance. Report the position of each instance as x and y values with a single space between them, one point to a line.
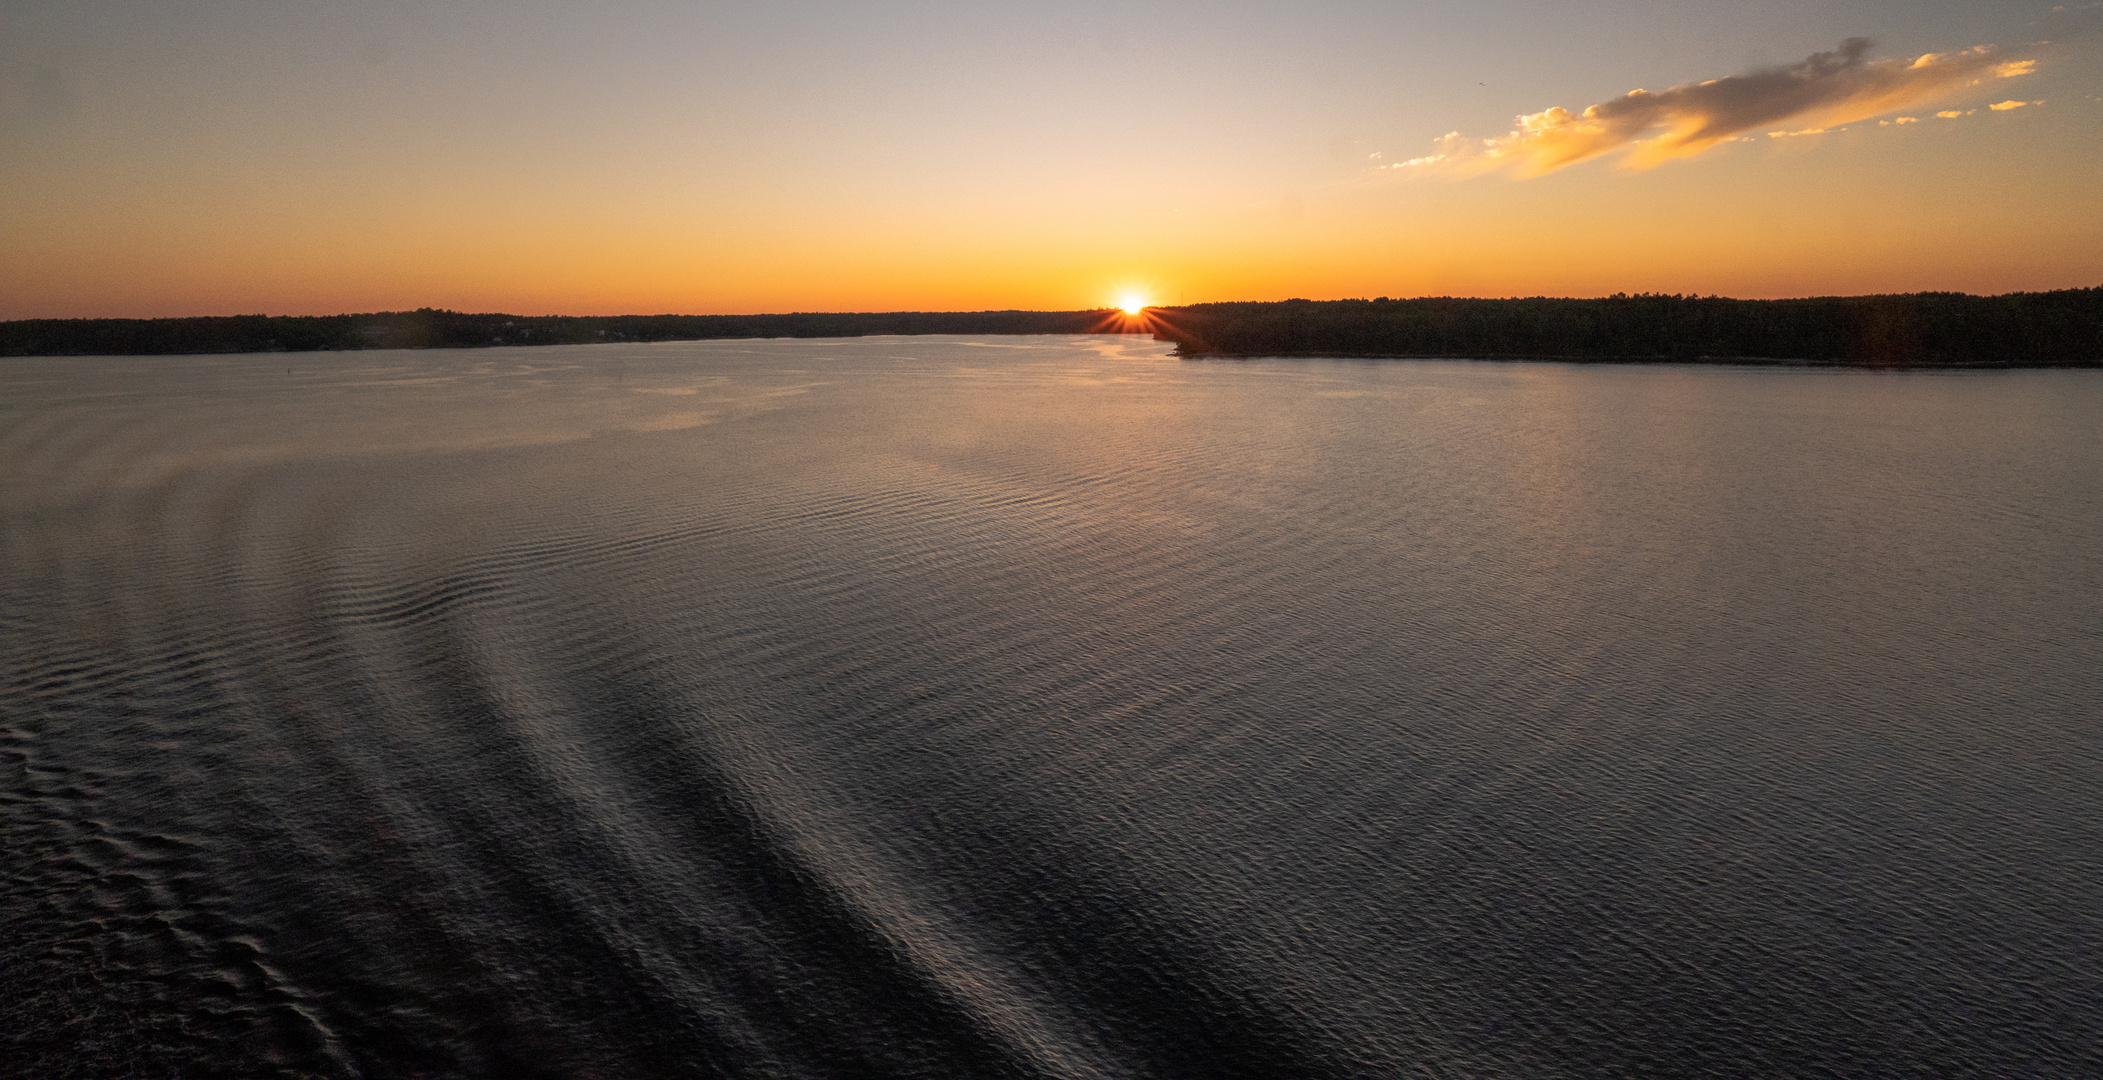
432 328
2063 328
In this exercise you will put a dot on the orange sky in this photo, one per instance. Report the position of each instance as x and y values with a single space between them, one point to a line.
217 158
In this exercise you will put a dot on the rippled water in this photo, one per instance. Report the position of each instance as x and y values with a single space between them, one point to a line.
1046 707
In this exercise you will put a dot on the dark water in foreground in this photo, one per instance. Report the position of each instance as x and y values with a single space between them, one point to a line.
1046 707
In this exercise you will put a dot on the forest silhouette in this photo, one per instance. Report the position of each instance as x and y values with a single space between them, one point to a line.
2062 328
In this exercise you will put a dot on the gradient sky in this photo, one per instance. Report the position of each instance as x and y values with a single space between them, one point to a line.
292 157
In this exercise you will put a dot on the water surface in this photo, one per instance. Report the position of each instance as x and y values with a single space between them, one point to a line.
1046 707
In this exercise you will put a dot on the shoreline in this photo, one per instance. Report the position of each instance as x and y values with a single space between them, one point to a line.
1656 361
2057 329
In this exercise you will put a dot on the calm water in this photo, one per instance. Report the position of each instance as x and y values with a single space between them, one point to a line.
1046 707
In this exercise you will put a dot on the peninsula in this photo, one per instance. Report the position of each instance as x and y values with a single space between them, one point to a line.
2063 328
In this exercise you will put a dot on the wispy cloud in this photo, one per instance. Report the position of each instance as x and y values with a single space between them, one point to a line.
1822 92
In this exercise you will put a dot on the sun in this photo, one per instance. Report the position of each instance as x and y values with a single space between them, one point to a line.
1132 303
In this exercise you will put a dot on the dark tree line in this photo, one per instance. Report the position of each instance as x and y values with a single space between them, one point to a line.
429 328
2044 329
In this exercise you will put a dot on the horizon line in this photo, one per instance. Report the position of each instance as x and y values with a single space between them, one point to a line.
1104 309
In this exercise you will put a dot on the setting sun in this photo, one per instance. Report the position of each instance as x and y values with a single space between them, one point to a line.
1132 304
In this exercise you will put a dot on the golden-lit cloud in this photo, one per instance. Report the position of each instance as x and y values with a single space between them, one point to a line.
1824 91
2004 106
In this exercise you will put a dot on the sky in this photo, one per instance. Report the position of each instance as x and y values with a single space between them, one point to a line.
212 157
